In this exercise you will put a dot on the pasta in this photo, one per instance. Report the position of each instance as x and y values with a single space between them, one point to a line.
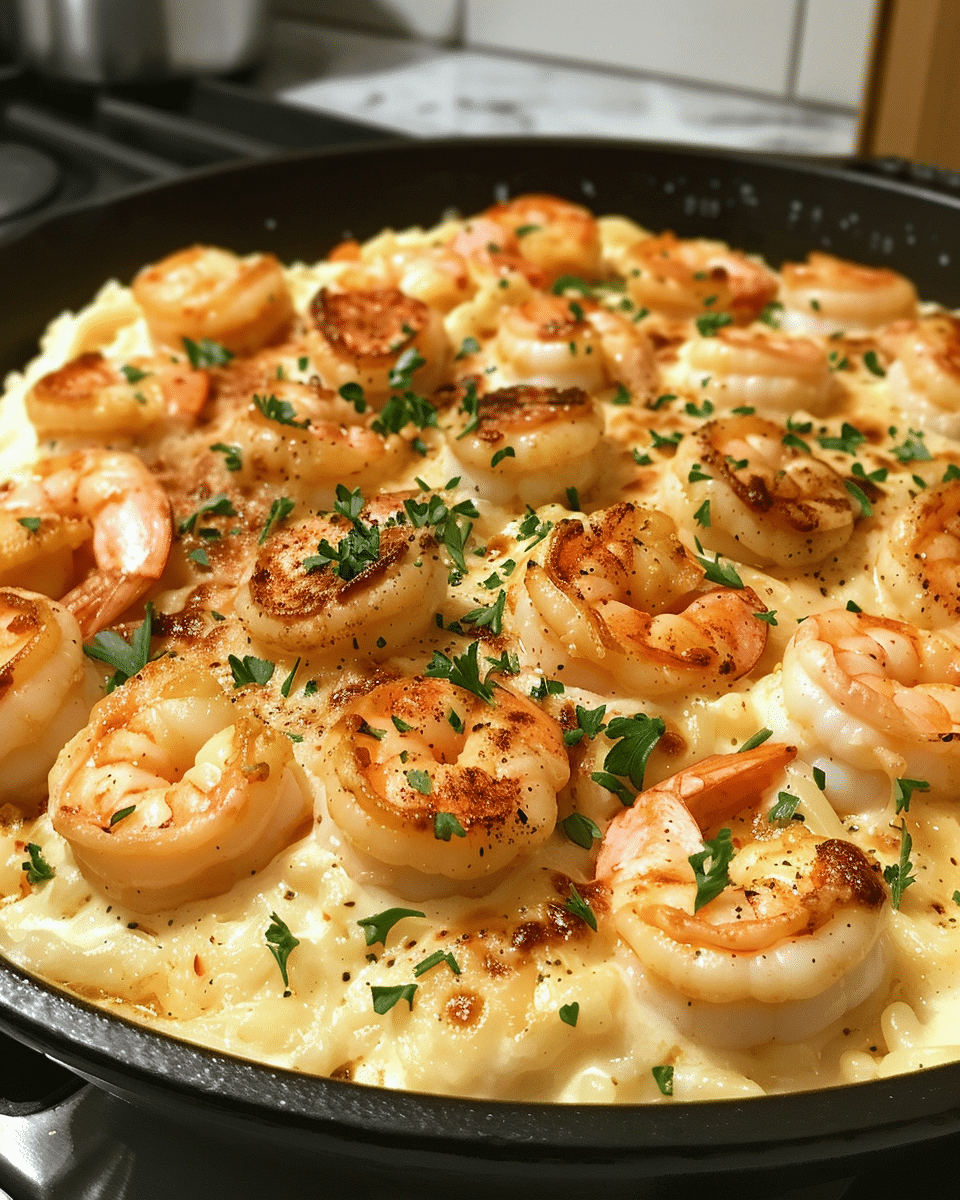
521 661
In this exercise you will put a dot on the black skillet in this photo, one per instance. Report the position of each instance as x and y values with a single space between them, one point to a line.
397 1144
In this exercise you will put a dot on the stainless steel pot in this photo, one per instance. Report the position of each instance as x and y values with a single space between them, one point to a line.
112 41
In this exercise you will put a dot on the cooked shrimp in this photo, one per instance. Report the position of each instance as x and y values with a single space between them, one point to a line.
127 512
768 371
528 442
91 396
871 700
546 342
797 926
47 688
207 293
769 503
826 293
559 237
317 439
387 594
362 334
919 560
551 341
173 791
432 273
925 374
426 775
687 278
620 592
492 253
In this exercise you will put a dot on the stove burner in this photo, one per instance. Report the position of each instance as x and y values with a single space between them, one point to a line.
27 178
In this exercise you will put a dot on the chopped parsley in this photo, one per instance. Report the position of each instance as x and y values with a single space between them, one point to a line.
696 475
903 790
898 875
710 324
288 682
353 394
434 960
783 811
589 724
126 657
581 830
913 449
663 1077
578 907
420 781
757 740
219 505
716 570
860 496
280 943
250 670
232 459
634 741
488 618
281 411
713 879
376 928
500 455
849 441
872 363
38 869
768 314
121 814
702 515
280 509
206 353
31 524
133 374
384 998
358 549
445 826
569 1013
468 346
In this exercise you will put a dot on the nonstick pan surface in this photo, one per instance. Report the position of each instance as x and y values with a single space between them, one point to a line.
298 207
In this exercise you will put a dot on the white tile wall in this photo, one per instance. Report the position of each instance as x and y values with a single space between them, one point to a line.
834 51
738 43
435 20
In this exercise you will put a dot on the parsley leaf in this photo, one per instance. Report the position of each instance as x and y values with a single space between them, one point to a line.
205 353
903 790
468 346
663 1076
420 781
217 506
488 618
38 869
783 811
250 670
384 998
578 907
281 411
872 363
31 524
281 508
353 394
716 570
569 1013
376 928
434 960
581 830
127 658
280 942
757 740
898 875
232 459
913 449
463 670
711 882
710 324
445 826
849 441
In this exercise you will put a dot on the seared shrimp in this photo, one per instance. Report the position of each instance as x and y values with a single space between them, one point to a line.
620 592
373 606
925 374
768 503
919 560
361 335
124 507
528 442
426 775
550 341
173 791
827 293
797 927
492 253
47 688
687 278
768 371
871 700
559 237
90 396
207 293
316 439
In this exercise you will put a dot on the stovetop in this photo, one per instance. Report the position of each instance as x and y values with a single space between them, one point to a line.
60 1137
